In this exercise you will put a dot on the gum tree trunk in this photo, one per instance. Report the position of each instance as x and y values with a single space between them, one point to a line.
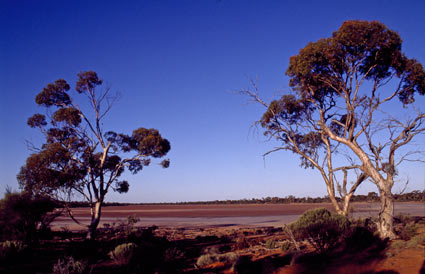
96 212
386 214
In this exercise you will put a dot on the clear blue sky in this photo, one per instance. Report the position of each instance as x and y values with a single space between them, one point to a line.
176 64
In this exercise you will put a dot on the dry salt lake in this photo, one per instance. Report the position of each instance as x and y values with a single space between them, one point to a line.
246 215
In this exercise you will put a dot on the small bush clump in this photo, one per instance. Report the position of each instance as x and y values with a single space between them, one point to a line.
398 244
123 253
321 228
408 231
415 241
241 243
11 249
286 246
271 244
403 218
207 259
69 266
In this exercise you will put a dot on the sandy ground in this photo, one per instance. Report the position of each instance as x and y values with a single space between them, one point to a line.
254 215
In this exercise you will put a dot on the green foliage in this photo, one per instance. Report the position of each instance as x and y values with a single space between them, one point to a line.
67 115
322 228
415 195
398 244
370 46
228 258
403 218
23 216
271 244
128 229
415 241
207 259
11 250
286 246
123 253
132 220
68 265
408 231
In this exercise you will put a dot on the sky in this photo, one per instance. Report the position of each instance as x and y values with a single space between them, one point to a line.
177 65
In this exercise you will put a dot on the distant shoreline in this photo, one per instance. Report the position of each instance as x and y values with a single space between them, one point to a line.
413 196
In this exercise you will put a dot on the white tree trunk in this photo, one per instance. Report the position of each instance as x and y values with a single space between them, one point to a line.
96 212
386 214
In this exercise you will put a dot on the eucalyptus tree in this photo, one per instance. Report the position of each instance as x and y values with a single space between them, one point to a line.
353 92
78 157
291 122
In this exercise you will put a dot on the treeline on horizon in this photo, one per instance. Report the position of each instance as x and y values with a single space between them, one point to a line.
414 196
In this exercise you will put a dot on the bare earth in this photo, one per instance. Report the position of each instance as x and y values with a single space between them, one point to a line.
247 215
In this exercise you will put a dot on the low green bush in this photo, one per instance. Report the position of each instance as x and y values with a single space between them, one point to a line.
286 246
271 244
321 228
408 231
398 244
403 218
123 253
11 250
69 266
416 241
207 259
228 258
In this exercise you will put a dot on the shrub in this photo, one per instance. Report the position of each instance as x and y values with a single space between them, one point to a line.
361 237
286 246
126 228
403 218
69 266
271 244
11 250
398 244
241 243
23 216
321 228
123 253
415 241
227 258
408 231
206 259
211 250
